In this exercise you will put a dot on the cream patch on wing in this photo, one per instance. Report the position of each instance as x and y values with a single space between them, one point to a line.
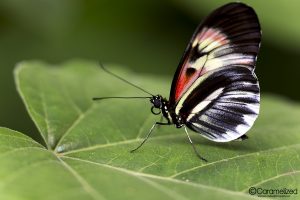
199 63
230 59
209 39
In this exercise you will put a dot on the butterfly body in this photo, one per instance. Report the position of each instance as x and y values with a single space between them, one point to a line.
167 112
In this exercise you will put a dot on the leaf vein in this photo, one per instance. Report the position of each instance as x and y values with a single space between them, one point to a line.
116 143
74 124
232 158
86 186
271 179
163 178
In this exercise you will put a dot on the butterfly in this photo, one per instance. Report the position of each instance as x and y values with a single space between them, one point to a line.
215 91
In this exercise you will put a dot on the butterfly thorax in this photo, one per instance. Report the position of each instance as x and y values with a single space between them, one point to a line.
161 105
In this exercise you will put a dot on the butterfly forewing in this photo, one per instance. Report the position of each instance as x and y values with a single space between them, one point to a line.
215 90
229 36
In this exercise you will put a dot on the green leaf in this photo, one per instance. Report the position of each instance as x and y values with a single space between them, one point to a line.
87 143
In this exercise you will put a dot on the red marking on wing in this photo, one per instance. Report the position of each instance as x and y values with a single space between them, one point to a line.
182 82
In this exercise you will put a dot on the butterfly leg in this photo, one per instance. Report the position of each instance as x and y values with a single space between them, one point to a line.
148 135
190 140
161 120
243 137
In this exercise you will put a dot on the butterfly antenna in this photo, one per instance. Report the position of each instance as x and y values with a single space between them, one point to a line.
101 98
122 79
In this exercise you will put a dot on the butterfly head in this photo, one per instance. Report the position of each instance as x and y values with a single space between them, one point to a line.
156 101
156 104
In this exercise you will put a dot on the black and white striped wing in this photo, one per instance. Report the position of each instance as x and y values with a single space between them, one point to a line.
222 105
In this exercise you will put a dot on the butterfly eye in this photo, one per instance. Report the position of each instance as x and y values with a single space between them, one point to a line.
155 110
157 103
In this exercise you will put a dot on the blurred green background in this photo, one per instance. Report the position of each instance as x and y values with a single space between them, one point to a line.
147 36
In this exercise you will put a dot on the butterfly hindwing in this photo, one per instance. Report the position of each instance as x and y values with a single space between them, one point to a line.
229 36
222 105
